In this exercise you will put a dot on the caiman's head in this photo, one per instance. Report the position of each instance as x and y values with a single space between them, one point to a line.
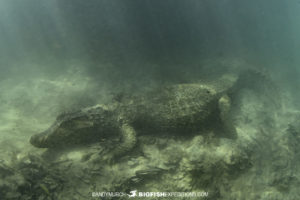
74 128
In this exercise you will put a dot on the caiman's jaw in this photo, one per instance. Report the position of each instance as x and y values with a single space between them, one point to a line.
40 140
69 129
61 133
37 141
45 138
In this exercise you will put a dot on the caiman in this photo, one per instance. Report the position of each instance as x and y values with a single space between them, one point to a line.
176 109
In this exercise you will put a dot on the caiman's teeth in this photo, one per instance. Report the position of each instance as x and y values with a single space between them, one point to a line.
43 139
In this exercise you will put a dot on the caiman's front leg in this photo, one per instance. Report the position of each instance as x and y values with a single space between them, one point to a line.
224 107
128 141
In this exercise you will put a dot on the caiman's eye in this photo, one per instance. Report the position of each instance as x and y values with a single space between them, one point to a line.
66 114
61 116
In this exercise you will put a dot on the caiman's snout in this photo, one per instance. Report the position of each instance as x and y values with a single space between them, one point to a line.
71 129
34 140
38 140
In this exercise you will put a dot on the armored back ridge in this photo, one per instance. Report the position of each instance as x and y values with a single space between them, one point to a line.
174 109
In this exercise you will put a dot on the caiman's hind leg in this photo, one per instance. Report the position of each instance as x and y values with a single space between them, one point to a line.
224 107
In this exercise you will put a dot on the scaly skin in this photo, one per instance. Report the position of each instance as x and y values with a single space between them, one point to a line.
176 109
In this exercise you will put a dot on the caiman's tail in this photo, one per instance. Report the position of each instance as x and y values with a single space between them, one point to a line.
261 84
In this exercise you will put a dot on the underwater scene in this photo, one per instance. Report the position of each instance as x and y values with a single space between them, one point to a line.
149 99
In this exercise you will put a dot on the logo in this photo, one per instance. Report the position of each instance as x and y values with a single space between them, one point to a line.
132 193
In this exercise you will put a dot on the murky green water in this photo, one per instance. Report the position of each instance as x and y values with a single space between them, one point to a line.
60 56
